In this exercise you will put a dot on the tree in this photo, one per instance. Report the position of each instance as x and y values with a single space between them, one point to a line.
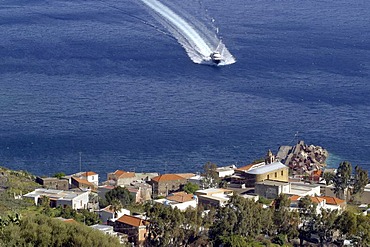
121 194
88 218
342 179
308 216
234 241
354 226
361 179
325 225
363 230
166 226
40 230
328 177
285 222
211 179
190 188
242 217
116 206
346 223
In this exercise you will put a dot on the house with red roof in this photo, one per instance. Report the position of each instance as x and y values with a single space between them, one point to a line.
334 203
87 178
91 177
322 202
135 227
82 184
180 200
120 177
123 178
167 183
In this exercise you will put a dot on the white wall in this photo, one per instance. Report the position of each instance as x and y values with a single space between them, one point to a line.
183 206
93 179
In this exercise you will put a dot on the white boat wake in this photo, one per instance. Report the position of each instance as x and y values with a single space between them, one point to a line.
198 41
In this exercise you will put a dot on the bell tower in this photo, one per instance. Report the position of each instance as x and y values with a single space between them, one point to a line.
270 158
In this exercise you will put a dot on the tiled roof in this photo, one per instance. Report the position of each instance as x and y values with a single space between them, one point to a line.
118 172
123 174
90 173
127 175
245 168
167 177
316 199
333 200
186 175
132 221
294 198
181 197
83 181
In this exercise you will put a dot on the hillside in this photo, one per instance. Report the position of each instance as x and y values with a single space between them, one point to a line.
13 184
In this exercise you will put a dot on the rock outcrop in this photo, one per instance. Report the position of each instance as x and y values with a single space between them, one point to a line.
303 158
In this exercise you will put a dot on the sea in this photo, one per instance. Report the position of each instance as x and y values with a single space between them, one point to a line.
103 85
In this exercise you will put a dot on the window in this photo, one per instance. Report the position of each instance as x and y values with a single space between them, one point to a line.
275 174
282 173
268 176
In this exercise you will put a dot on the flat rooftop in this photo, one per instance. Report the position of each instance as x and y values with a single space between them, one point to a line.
55 194
273 183
102 227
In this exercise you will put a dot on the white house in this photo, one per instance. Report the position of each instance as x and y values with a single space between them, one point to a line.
74 199
333 203
304 189
107 213
225 171
180 200
92 177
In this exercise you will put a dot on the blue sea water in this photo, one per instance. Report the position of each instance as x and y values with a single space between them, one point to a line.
87 76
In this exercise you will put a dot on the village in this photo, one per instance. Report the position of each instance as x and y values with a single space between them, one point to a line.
263 180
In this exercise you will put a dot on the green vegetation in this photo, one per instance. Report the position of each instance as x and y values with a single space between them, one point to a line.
345 184
119 193
45 231
328 177
13 184
190 188
361 179
210 175
59 175
342 179
241 222
83 215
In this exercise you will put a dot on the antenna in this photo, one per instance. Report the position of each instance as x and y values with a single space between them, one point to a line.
80 161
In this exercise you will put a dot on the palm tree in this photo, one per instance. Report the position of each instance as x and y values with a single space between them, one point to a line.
116 206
